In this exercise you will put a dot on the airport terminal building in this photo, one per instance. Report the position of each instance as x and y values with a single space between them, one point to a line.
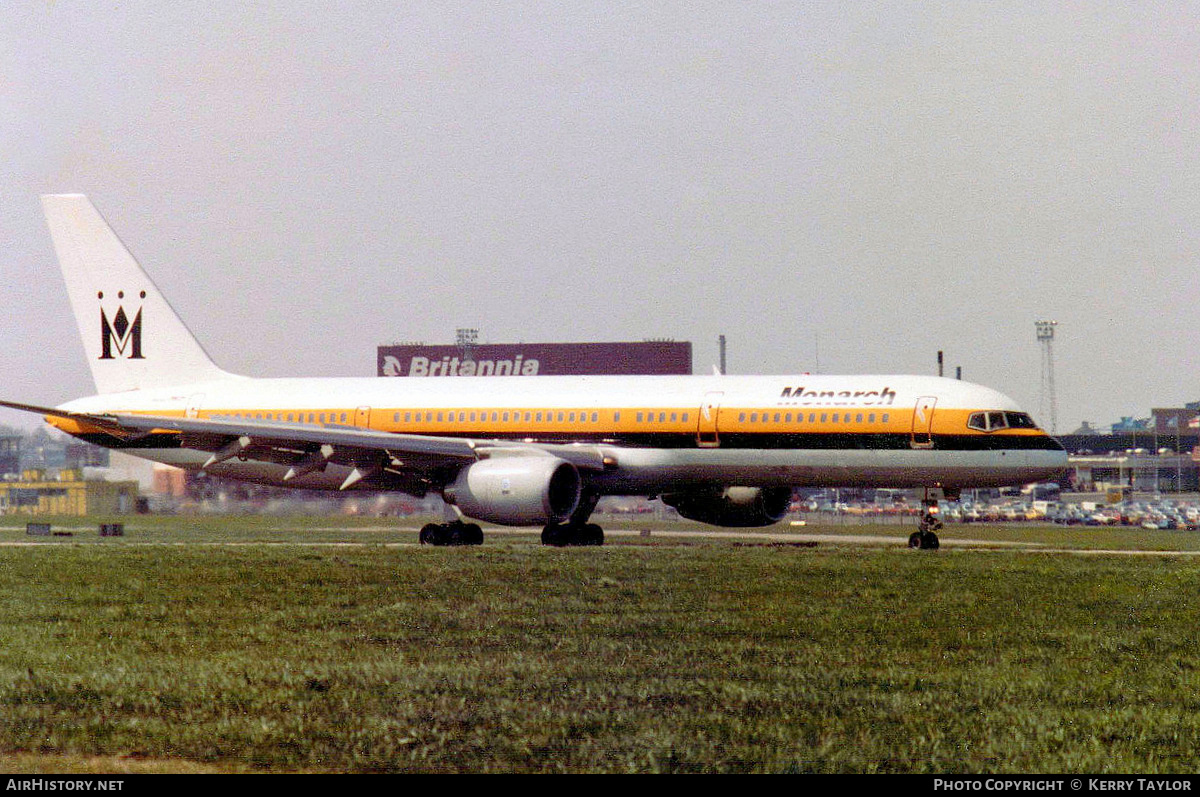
1156 454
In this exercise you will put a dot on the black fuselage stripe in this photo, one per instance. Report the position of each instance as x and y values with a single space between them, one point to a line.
852 441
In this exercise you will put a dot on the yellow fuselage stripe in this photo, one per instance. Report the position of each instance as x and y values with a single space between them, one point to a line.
483 422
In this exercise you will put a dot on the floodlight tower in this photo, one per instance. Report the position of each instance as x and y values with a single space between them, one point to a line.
466 340
1045 336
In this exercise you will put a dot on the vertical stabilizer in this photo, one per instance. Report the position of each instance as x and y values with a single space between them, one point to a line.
132 337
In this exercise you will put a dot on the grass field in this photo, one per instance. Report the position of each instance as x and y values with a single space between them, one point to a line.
659 654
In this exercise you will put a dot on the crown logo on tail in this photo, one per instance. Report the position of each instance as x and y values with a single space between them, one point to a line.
121 334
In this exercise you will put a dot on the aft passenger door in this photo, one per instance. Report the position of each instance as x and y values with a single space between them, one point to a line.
193 405
922 422
362 418
706 430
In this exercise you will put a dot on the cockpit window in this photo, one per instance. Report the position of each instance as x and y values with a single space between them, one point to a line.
1019 420
996 420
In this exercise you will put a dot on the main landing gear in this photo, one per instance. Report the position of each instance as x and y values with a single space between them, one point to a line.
576 531
925 537
453 533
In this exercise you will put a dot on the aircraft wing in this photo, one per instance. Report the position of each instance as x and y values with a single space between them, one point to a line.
408 462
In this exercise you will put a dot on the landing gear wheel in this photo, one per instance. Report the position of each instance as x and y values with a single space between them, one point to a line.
924 540
561 535
551 535
592 535
451 534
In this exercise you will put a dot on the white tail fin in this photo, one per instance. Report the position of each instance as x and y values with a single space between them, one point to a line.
132 337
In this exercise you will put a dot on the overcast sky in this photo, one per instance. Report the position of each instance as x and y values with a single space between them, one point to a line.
835 186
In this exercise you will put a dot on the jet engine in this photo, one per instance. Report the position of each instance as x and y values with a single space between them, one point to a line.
517 491
733 506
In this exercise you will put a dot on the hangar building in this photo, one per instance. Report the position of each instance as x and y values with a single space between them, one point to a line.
535 359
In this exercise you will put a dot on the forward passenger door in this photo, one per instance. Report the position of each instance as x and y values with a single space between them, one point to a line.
922 422
706 430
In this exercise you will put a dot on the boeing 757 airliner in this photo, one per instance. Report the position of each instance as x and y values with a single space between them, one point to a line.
723 450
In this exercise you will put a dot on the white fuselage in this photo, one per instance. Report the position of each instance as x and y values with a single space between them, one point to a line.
661 432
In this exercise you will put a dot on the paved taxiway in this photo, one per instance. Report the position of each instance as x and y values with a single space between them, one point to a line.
87 535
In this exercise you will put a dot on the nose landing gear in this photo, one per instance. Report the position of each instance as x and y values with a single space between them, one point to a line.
925 537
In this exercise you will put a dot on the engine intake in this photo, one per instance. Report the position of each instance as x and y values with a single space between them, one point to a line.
740 507
517 491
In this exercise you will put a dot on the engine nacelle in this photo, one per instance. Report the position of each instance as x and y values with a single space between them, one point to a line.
517 491
733 506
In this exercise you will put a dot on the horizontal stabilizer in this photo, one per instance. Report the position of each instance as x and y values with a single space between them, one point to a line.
101 422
